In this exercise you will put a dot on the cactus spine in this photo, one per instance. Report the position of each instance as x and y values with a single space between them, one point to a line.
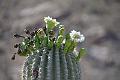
50 57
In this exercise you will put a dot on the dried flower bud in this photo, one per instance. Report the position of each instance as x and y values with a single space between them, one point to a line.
27 31
32 34
13 57
40 32
17 36
16 45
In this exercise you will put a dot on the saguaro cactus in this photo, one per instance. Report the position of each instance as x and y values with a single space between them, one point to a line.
50 55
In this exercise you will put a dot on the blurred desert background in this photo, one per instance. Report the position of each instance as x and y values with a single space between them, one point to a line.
98 20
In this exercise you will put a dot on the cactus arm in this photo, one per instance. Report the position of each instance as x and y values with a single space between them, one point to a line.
78 70
43 67
24 71
25 66
36 65
49 67
29 66
63 65
76 67
53 59
29 71
70 67
57 65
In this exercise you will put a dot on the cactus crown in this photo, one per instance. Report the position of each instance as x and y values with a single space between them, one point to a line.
50 53
46 37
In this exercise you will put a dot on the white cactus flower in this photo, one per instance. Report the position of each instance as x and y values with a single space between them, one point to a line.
23 43
82 38
75 51
64 41
46 19
77 36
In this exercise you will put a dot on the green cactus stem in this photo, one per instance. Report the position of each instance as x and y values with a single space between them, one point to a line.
50 57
